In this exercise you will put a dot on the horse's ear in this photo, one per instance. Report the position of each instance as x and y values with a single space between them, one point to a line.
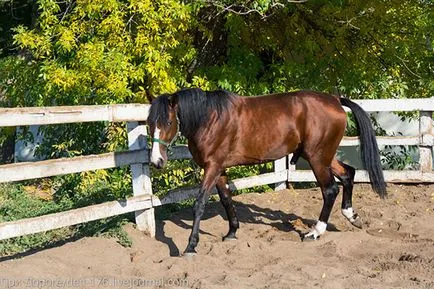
150 96
173 100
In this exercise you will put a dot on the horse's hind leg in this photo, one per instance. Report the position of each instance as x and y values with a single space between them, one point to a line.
329 189
345 174
226 200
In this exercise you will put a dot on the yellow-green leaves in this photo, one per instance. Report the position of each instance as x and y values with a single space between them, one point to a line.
109 51
66 41
38 43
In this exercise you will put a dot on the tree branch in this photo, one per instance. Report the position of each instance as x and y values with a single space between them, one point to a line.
405 65
240 9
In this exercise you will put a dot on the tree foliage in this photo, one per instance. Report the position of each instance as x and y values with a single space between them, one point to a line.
93 52
367 49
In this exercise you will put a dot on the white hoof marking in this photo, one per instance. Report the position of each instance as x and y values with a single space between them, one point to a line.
319 229
349 214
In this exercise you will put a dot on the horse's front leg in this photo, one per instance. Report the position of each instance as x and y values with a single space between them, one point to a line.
211 174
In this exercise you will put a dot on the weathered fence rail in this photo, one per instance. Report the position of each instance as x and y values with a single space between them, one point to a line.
143 202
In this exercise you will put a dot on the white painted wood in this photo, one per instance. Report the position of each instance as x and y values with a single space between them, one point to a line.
280 165
73 217
263 179
69 114
408 104
291 167
387 140
425 148
139 112
181 194
179 152
425 154
141 176
390 176
62 166
32 170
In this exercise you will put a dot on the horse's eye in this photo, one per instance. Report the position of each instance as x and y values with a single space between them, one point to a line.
169 123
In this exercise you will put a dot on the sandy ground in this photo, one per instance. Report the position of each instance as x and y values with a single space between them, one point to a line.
395 249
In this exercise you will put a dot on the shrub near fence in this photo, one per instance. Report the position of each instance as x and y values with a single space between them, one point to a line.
143 201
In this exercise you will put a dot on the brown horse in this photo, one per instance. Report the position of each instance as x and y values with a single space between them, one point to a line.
225 130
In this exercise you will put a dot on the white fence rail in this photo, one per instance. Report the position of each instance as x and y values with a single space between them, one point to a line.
143 202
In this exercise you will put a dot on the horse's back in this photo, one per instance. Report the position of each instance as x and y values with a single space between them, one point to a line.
294 98
277 124
302 106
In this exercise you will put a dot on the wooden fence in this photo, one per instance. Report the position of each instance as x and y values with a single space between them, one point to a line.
143 201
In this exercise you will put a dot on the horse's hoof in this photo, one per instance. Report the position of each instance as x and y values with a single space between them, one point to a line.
310 238
229 238
358 223
189 254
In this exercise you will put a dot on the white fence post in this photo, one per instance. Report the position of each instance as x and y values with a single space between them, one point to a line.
280 165
425 147
142 185
291 167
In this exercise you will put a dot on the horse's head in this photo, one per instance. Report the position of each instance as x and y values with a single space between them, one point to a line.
164 127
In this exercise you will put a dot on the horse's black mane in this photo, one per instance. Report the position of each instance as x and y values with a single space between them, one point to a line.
194 108
159 112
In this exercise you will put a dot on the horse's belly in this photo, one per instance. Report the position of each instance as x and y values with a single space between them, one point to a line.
262 153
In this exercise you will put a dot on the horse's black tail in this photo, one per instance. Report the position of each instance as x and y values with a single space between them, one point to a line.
368 147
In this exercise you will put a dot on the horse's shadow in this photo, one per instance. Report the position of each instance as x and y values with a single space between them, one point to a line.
246 213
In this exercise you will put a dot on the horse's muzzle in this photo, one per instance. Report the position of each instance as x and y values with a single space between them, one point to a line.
158 164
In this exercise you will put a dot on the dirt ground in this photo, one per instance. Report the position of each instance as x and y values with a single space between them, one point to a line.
395 249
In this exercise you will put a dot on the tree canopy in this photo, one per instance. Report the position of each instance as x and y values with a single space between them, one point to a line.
93 52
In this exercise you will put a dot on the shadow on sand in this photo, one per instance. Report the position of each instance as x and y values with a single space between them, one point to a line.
247 213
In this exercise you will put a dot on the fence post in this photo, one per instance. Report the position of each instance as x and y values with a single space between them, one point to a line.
142 185
280 165
425 145
291 167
